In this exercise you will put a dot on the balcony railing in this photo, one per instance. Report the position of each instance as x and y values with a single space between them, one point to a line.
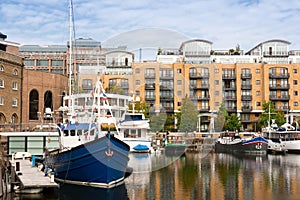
246 76
246 87
281 75
246 108
199 75
228 76
280 98
279 86
150 86
246 97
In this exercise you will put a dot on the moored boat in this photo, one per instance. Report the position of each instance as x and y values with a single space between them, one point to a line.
87 156
287 134
175 145
238 145
134 130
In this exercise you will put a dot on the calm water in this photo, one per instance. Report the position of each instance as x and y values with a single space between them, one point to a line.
198 176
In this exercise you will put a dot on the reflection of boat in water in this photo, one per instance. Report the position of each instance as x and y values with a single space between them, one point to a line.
142 167
238 145
77 192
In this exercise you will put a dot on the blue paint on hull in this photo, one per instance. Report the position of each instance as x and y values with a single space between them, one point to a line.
93 163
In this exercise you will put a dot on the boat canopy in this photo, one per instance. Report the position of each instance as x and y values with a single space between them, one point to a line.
79 126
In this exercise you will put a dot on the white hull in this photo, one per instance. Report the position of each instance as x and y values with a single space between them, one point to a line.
292 145
133 142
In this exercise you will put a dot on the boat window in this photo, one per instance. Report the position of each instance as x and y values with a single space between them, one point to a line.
79 132
72 133
66 133
139 133
126 133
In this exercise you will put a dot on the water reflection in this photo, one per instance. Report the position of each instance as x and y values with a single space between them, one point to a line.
200 176
217 176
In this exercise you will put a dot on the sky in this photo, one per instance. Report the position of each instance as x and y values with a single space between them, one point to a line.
148 23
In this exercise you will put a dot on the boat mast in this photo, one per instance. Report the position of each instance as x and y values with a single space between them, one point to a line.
71 106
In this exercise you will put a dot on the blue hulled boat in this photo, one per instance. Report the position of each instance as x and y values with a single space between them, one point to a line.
238 145
100 163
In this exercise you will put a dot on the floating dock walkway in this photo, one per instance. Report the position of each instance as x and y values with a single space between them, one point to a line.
32 180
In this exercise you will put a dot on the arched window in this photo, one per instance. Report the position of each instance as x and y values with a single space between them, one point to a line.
2 118
1 68
33 105
48 100
14 119
15 72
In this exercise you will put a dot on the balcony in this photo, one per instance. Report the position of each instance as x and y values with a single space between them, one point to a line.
280 98
246 97
149 75
280 76
150 86
150 98
246 76
228 76
275 53
246 108
199 76
231 109
204 109
246 87
166 98
162 87
230 88
283 108
201 87
200 98
230 98
279 86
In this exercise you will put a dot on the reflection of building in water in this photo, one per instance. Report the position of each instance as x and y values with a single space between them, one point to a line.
218 176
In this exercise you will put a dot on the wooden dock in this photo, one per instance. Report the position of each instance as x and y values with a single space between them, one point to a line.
32 180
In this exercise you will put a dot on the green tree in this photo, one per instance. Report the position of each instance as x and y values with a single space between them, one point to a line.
189 116
233 123
221 118
157 121
141 107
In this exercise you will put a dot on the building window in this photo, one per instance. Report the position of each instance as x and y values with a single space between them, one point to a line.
257 93
87 84
178 103
216 71
14 102
179 71
257 71
15 85
257 103
1 100
137 82
179 93
217 104
15 72
295 82
33 105
295 103
257 82
43 63
137 93
57 63
1 83
217 93
137 70
179 82
1 68
216 82
295 93
295 71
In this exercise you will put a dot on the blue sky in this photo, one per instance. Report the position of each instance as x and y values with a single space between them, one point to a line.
226 23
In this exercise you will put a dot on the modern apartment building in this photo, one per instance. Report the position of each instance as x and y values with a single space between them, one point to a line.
243 82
